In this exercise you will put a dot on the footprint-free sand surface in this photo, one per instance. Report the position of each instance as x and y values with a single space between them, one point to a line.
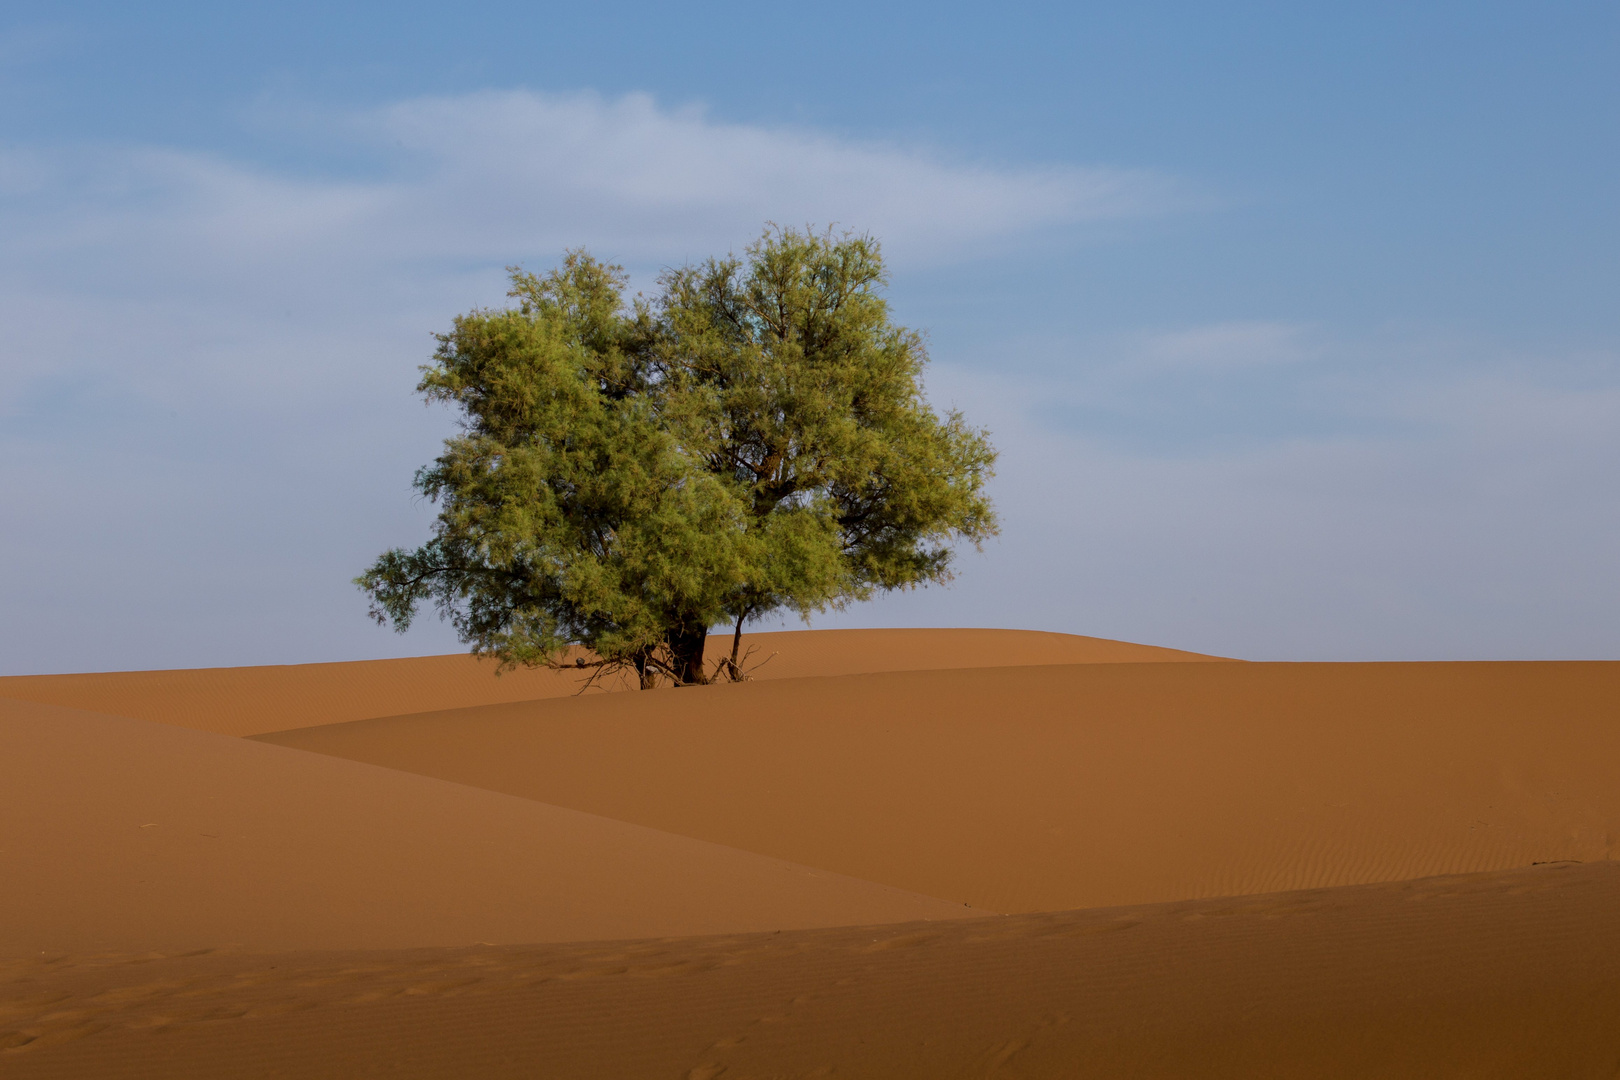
1047 788
896 853
126 835
252 700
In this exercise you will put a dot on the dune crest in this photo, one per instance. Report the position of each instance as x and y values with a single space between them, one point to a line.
254 700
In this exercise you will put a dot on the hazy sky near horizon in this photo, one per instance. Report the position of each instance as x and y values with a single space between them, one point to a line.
1298 326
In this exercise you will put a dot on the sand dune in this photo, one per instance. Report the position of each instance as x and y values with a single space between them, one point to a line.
1036 789
125 835
1506 975
251 700
769 879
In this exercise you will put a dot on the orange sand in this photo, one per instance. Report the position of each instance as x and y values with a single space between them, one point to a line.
730 880
126 835
1038 789
1506 975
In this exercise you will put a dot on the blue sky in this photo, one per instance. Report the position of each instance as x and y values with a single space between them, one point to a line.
1296 324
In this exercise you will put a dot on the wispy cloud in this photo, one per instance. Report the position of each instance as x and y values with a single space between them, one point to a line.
1220 347
243 259
657 181
502 176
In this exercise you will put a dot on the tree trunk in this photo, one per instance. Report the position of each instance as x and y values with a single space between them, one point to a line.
736 647
686 650
646 675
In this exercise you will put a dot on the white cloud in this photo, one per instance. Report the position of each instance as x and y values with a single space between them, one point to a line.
501 176
545 170
171 269
1225 346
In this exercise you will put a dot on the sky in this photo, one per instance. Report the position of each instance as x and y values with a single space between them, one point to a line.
1296 326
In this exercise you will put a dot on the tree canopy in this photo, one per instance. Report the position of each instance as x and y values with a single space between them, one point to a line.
627 476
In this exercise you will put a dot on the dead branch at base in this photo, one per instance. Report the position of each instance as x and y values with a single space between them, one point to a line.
739 670
598 669
659 667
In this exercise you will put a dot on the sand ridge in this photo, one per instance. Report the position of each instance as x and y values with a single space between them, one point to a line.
252 700
1046 788
126 835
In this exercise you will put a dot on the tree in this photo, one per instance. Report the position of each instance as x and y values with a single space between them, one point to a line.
755 439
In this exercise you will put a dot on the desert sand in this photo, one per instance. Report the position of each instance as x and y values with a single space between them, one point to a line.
253 700
1047 788
126 835
1511 974
895 853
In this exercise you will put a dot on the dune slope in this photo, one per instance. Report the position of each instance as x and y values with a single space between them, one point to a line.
1503 975
119 834
251 700
1045 788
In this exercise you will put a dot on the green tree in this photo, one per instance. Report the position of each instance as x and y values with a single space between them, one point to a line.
627 477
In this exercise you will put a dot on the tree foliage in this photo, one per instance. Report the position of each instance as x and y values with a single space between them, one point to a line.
627 476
